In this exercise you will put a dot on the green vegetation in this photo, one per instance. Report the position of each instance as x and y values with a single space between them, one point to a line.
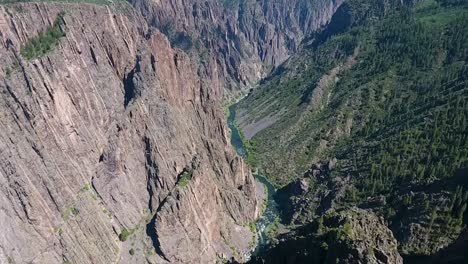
321 227
265 199
8 72
185 177
286 95
15 67
235 252
249 147
341 233
87 187
272 230
106 212
230 4
74 211
10 260
125 234
252 228
416 121
45 41
395 113
398 116
70 212
455 212
178 39
222 261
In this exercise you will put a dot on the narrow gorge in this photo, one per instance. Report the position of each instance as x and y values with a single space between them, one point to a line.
233 131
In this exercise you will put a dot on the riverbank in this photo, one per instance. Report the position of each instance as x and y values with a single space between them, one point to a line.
270 208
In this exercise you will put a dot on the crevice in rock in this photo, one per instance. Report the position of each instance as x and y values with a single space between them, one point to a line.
152 176
153 63
130 89
152 171
151 226
151 232
95 189
339 22
93 55
17 101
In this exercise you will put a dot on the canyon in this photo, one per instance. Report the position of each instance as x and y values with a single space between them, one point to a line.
114 146
233 131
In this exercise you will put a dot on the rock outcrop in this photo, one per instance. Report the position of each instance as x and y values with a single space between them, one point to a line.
345 236
316 193
359 236
245 37
113 146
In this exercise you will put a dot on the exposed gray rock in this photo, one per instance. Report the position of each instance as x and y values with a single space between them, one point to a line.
245 37
345 236
94 135
359 236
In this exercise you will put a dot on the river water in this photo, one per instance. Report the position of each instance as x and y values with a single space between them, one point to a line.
272 210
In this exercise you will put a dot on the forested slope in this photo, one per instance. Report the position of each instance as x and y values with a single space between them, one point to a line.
379 106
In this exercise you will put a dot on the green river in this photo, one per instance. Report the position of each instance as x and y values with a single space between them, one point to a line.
271 211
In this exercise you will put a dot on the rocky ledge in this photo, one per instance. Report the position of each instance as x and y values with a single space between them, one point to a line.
346 236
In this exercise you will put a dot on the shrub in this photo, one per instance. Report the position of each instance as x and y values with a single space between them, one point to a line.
185 178
182 41
74 211
252 227
45 41
71 211
124 235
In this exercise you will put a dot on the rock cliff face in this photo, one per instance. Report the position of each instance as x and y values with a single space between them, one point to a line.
245 37
113 146
344 236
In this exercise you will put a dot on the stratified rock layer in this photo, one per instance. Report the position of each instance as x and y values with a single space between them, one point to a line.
96 134
245 37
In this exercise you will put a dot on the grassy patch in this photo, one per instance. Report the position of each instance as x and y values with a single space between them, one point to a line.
106 212
249 147
126 234
45 41
70 212
252 228
87 187
435 16
272 229
185 177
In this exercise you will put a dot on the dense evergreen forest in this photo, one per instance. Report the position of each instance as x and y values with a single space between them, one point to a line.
406 96
388 98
